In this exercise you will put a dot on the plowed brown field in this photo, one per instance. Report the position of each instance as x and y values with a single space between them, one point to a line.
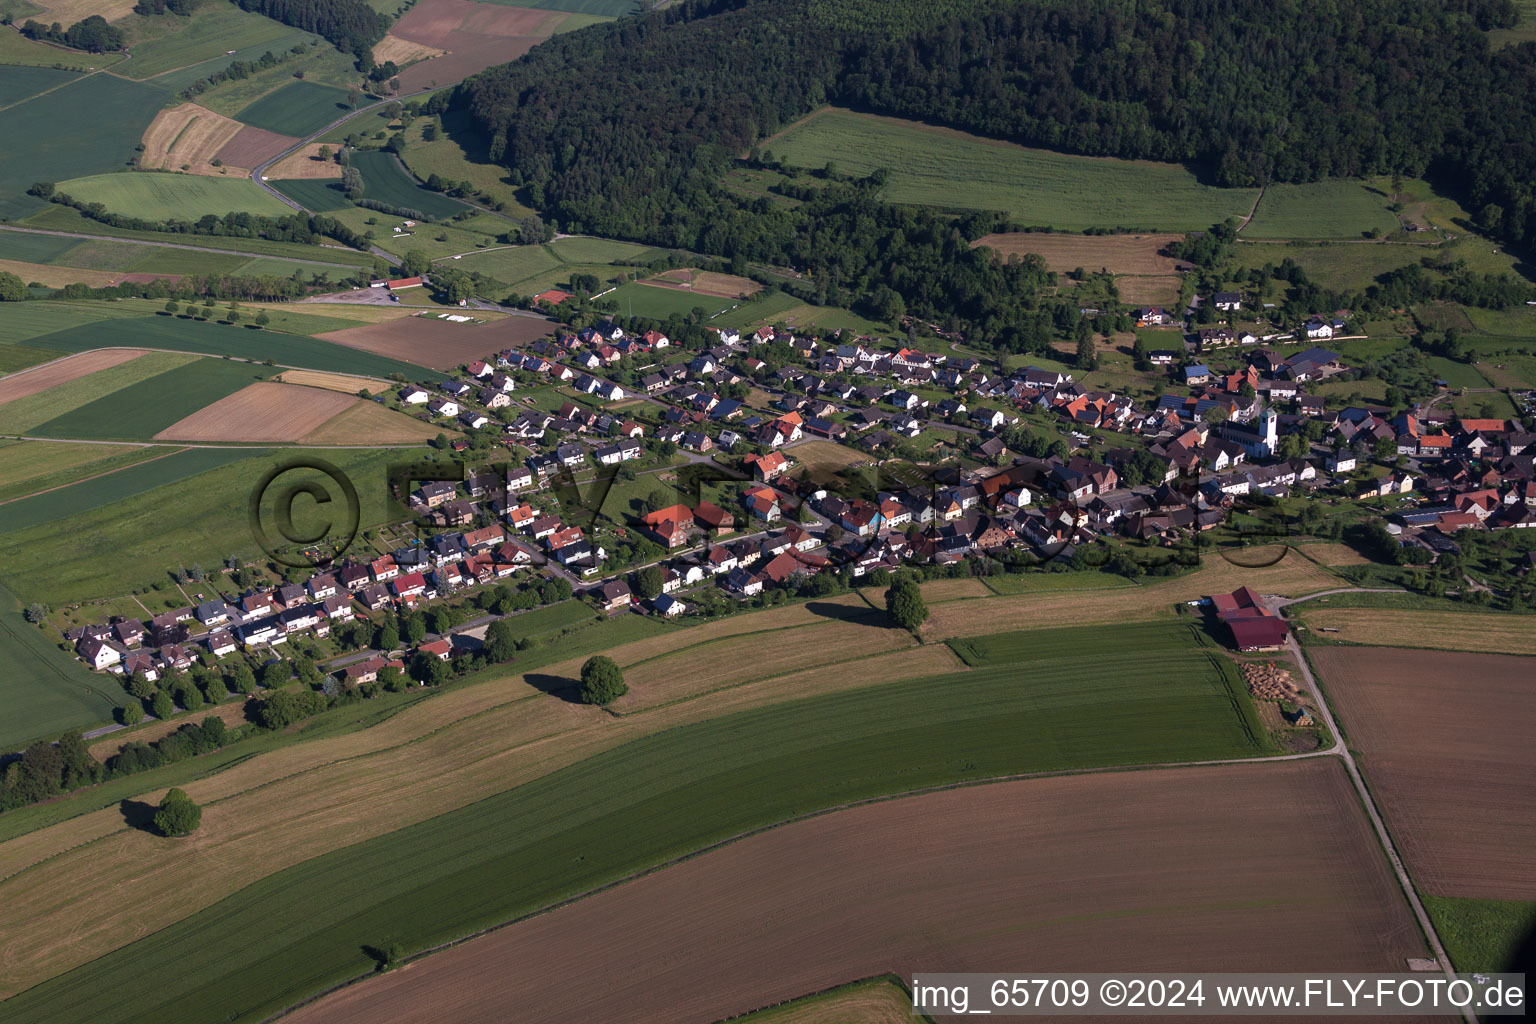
58 277
475 35
1121 254
371 423
1255 867
427 341
251 146
268 411
62 371
1444 741
305 163
402 51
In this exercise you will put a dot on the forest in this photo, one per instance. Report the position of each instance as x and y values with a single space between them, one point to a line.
625 129
351 25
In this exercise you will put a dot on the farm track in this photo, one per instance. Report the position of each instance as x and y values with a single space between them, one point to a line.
97 476
177 245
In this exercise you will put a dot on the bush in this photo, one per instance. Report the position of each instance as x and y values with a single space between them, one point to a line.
178 815
601 681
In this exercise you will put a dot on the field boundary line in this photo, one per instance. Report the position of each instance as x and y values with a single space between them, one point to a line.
733 636
797 819
95 476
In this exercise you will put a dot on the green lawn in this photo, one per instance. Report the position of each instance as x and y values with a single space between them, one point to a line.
206 338
135 540
1483 935
88 127
1323 209
163 196
117 486
635 299
386 181
44 690
666 795
298 108
139 411
937 167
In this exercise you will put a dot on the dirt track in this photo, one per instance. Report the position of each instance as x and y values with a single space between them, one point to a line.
1261 867
1444 741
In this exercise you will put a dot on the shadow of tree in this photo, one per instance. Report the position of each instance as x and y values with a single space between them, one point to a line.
564 687
139 815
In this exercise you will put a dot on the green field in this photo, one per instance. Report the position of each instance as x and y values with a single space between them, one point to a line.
551 618
16 245
23 415
168 42
124 483
602 8
322 65
111 254
140 411
313 194
298 108
510 265
635 299
1334 265
1322 209
134 541
1483 935
459 153
667 795
1037 582
88 127
62 218
16 48
182 335
163 197
18 357
22 83
1457 375
587 249
938 167
385 181
27 467
44 690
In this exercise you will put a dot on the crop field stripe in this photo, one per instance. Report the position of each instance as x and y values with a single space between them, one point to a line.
298 109
100 491
140 411
386 181
669 794
197 338
161 196
31 467
317 194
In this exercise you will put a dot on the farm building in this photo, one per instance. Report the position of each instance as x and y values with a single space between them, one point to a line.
402 283
1254 626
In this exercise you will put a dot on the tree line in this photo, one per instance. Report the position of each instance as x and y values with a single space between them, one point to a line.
626 129
351 25
92 34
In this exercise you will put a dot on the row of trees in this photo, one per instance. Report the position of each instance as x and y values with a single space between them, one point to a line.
93 34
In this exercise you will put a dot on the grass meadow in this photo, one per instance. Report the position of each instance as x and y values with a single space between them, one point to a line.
138 411
27 467
17 49
89 126
22 83
385 181
659 303
510 265
162 197
23 415
44 690
204 338
459 153
298 108
1339 266
1483 935
950 169
668 794
128 542
1322 209
168 42
317 194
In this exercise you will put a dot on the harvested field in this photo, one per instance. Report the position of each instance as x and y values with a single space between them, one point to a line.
62 371
821 456
473 36
948 590
343 382
881 1001
1453 631
403 51
1121 254
250 146
371 423
1444 741
1050 872
267 411
188 134
439 344
304 163
328 306
233 715
707 282
1148 291
1292 576
58 277
1335 554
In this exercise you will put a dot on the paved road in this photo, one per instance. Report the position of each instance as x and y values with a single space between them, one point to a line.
1347 756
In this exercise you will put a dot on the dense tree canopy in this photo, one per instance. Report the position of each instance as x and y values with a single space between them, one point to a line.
178 814
601 681
625 129
350 24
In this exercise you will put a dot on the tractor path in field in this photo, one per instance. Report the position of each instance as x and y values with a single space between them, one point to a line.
1342 750
179 245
